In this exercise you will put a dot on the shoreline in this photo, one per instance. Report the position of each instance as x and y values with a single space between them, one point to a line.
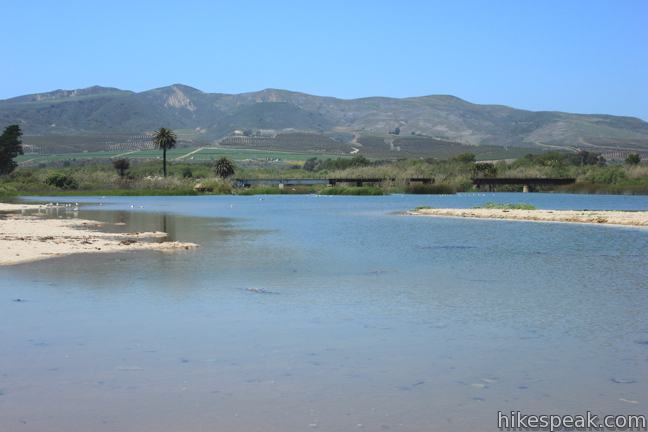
26 237
272 190
593 217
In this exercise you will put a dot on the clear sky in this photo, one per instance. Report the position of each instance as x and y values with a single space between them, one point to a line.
581 56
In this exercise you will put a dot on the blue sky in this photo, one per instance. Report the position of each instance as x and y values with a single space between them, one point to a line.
579 56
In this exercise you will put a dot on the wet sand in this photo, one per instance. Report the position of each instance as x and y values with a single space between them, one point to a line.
602 217
25 236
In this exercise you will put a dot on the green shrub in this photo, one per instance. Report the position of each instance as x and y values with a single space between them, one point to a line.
607 175
7 191
62 181
484 169
217 186
315 164
431 189
633 159
276 190
352 190
259 190
465 158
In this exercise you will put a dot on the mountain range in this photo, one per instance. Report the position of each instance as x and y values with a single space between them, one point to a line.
101 114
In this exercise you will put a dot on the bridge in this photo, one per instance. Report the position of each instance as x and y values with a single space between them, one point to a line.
526 183
357 181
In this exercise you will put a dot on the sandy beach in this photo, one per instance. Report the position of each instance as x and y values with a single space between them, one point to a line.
603 217
26 236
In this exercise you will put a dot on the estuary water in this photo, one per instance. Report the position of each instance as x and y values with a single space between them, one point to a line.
302 313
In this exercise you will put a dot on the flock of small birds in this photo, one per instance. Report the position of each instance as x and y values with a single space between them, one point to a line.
74 207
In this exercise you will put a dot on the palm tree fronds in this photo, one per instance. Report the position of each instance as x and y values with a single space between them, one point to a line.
164 138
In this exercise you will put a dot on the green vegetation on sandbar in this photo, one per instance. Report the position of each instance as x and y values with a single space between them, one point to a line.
422 208
508 206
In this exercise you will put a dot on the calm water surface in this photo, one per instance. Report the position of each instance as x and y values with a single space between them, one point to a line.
328 313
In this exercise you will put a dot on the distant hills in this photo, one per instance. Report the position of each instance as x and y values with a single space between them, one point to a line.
96 117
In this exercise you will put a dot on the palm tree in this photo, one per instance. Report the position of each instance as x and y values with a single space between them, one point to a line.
224 168
164 139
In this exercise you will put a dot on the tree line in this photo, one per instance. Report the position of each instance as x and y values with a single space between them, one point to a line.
165 139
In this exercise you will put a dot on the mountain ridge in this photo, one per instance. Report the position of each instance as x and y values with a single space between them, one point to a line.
99 110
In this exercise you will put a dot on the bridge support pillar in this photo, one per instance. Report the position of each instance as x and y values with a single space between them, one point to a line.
525 188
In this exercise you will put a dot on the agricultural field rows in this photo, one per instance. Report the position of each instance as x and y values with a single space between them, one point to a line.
184 154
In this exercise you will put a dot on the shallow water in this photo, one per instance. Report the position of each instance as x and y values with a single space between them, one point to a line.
329 313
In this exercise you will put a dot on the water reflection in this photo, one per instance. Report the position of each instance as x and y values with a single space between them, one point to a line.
181 270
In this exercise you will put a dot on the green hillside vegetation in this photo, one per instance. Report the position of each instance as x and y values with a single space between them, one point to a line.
94 118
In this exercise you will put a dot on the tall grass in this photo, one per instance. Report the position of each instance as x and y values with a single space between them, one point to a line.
450 177
276 190
352 190
432 189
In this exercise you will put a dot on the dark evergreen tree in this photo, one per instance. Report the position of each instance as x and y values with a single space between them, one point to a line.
10 148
